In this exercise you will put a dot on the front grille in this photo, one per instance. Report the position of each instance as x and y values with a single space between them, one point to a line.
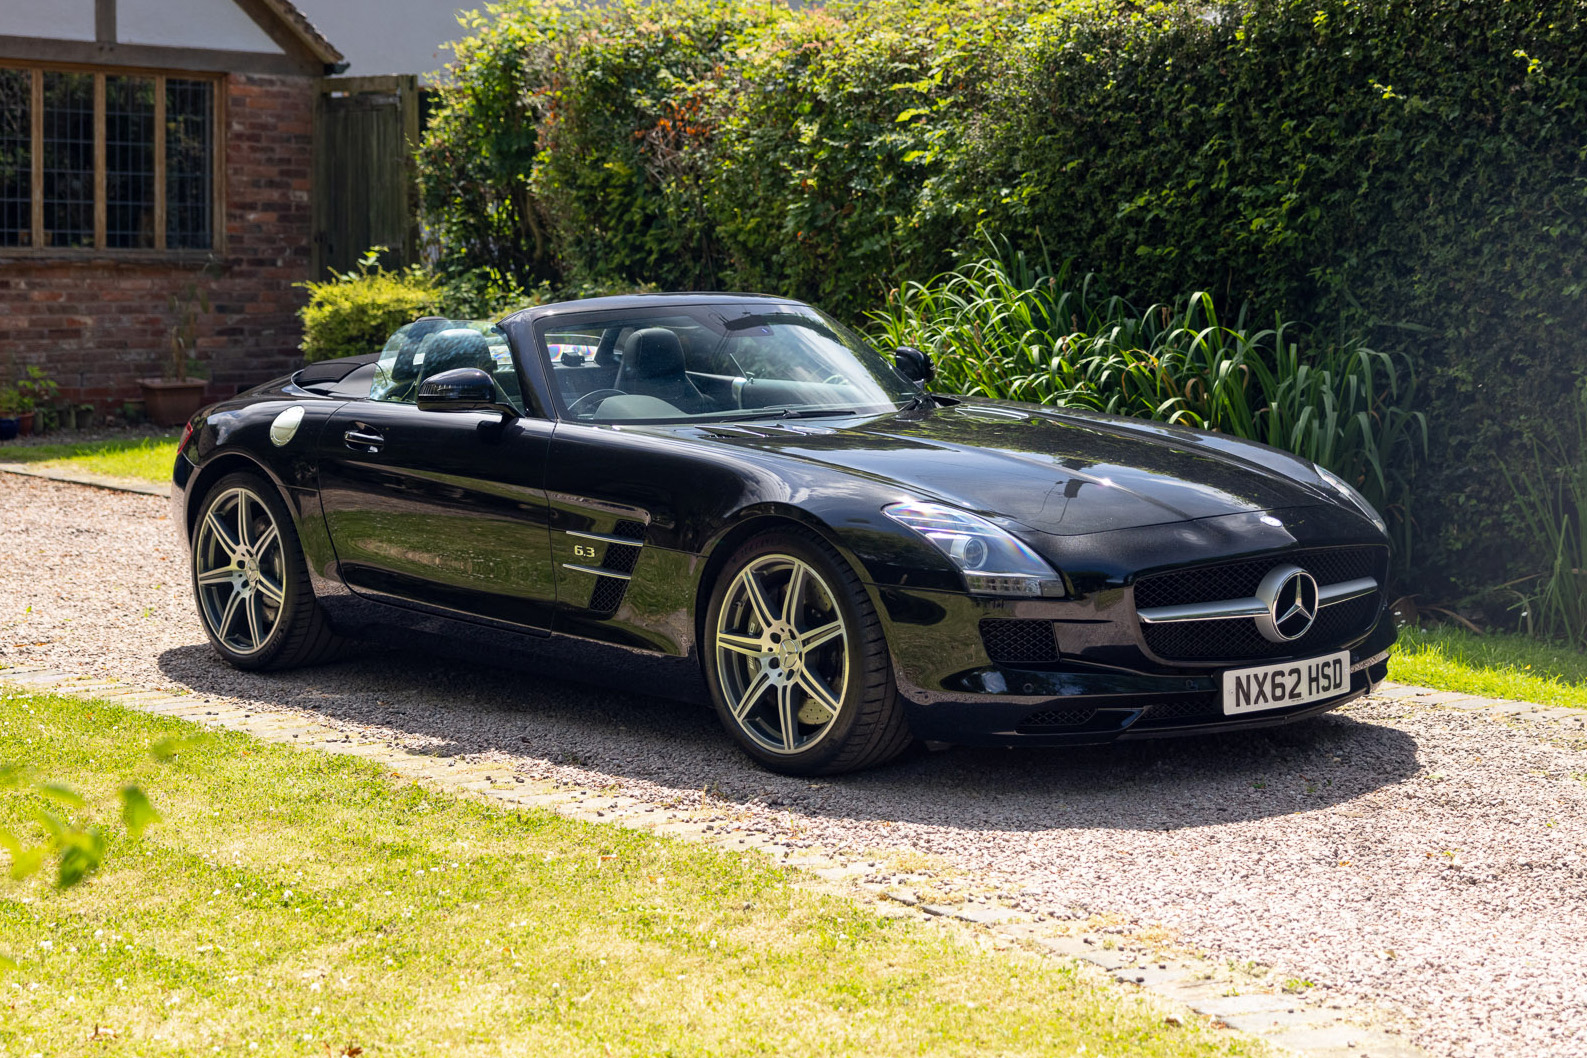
1239 640
1190 707
1239 580
1054 719
1011 642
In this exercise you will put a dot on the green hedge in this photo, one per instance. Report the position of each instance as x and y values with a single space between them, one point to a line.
1411 174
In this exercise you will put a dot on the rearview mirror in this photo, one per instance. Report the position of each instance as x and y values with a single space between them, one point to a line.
914 364
462 389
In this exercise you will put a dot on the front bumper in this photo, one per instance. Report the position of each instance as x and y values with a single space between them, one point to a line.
1103 687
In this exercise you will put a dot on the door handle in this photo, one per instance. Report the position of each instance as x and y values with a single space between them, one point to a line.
363 439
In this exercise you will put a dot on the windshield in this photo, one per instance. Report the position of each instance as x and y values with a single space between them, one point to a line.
714 362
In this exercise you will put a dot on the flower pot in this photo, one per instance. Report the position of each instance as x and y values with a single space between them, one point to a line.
25 423
8 428
171 402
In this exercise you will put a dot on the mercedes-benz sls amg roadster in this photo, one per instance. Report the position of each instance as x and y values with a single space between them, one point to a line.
733 498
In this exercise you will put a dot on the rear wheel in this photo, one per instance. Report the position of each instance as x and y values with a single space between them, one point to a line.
250 581
798 664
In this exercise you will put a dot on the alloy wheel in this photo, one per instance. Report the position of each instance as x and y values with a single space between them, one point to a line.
240 571
782 652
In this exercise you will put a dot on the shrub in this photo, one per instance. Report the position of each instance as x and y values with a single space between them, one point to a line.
1004 328
1411 174
355 312
833 137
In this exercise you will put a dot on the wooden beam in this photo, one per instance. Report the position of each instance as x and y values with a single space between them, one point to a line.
217 155
37 110
105 21
101 206
159 163
152 57
287 37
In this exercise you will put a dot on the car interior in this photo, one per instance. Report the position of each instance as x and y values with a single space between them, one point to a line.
675 367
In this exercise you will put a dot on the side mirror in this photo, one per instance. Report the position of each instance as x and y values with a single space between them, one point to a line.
914 364
462 389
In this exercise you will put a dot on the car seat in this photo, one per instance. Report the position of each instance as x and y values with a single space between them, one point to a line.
653 367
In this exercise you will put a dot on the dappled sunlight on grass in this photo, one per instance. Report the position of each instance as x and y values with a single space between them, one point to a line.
145 458
294 902
1495 665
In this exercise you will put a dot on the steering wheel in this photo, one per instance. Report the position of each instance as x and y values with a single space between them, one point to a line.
834 380
591 400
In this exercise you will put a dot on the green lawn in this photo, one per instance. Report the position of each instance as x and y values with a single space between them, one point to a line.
1495 665
297 903
146 458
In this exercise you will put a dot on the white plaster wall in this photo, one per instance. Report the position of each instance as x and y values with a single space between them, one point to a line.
55 19
389 36
218 24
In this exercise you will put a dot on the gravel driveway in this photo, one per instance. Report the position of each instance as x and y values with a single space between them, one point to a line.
1426 860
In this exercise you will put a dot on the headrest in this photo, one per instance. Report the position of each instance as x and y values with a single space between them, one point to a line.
653 352
408 338
452 348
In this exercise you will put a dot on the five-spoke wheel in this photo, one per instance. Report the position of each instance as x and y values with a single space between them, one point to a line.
798 665
250 582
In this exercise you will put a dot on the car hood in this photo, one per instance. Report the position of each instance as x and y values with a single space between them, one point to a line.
1055 470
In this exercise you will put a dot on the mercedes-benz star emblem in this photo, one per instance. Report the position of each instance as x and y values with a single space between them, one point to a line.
1290 594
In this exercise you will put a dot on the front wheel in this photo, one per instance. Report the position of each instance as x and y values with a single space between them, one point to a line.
250 581
797 661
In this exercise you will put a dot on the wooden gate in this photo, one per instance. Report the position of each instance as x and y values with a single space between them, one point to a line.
365 132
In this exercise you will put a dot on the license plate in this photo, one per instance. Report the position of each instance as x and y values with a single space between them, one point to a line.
1279 686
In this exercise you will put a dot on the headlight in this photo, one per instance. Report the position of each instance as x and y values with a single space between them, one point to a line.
1345 489
991 560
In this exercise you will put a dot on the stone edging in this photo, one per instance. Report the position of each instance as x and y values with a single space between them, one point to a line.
1311 1022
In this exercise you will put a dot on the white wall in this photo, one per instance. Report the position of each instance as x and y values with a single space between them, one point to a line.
55 19
218 24
390 36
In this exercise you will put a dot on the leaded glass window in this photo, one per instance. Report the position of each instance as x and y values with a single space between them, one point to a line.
108 161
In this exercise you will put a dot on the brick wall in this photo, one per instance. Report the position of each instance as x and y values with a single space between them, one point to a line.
99 324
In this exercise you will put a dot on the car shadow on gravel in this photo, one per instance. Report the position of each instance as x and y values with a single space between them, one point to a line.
453 709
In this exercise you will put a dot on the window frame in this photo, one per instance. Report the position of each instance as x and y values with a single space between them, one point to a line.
217 191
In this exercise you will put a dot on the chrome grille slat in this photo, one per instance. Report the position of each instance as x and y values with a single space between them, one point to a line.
1349 579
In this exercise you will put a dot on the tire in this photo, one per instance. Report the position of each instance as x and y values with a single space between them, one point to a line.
807 689
250 582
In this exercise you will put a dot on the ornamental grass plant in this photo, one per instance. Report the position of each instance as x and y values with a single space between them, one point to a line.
1008 327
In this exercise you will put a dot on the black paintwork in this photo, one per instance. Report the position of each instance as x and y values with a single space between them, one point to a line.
457 526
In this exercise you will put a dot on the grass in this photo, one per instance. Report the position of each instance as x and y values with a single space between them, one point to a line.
299 903
1495 665
145 458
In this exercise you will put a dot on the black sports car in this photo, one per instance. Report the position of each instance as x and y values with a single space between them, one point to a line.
733 496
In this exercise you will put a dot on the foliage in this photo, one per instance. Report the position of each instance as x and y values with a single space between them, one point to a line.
354 312
1007 328
1552 496
36 389
1413 170
833 140
1407 173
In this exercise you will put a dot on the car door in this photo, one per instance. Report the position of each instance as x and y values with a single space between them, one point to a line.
441 510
